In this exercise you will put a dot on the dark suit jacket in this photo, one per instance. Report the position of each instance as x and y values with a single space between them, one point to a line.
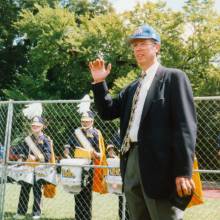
167 132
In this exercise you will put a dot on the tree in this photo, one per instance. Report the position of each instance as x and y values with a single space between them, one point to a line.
8 54
57 37
86 7
13 58
203 46
63 39
54 36
194 53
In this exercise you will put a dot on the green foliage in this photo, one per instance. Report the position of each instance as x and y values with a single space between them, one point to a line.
13 58
86 7
54 36
53 33
106 37
193 53
202 47
8 59
123 81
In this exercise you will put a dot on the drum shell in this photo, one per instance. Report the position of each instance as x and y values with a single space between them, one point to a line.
21 173
113 179
46 173
71 174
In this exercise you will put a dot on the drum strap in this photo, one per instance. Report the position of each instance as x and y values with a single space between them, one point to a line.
83 139
33 147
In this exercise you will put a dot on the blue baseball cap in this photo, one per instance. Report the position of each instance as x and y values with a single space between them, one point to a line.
145 32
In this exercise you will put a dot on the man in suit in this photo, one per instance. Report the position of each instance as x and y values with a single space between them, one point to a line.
158 131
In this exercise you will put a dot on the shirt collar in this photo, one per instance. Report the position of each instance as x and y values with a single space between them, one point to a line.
152 69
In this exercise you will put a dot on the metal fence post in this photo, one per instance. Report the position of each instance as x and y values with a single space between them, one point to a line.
7 142
123 207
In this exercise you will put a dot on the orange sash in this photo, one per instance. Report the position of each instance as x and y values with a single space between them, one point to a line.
197 197
49 189
99 183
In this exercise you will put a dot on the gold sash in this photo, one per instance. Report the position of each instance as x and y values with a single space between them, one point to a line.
33 147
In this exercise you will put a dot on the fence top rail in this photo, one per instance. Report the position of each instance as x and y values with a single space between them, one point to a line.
76 101
42 101
207 98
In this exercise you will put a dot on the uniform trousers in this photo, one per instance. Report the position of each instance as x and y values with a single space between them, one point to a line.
25 195
83 200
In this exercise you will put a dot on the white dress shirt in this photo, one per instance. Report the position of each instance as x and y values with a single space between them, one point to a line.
147 81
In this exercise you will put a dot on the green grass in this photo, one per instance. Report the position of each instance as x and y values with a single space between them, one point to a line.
105 207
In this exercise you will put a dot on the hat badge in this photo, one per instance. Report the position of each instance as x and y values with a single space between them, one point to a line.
36 119
139 31
85 114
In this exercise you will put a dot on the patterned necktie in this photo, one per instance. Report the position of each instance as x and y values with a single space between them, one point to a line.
126 141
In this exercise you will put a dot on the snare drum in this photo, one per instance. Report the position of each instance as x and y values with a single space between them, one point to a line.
113 179
21 173
47 173
71 174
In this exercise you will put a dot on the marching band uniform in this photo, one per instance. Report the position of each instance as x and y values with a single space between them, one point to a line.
43 144
83 200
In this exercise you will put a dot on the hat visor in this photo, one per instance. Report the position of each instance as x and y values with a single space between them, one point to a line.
132 38
86 119
110 147
37 124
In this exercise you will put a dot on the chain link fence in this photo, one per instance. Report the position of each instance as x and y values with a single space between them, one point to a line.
4 119
62 119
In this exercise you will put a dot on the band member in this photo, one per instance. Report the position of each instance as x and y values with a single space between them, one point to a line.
111 151
35 148
88 139
66 153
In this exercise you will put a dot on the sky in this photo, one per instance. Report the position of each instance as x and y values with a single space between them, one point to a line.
124 5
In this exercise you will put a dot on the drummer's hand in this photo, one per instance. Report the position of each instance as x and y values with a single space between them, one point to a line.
98 70
184 186
21 157
20 160
32 157
95 155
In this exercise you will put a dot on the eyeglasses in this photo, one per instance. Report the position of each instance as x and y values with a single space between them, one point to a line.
141 44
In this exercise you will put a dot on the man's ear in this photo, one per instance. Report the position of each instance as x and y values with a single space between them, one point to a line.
157 46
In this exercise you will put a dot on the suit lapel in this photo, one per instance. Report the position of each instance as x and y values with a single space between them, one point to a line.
157 81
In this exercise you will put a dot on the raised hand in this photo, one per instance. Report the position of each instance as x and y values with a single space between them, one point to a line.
98 70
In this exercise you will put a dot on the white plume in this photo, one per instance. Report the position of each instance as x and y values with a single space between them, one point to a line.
31 110
84 105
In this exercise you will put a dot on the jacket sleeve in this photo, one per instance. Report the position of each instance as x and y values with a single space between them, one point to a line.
184 126
108 108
